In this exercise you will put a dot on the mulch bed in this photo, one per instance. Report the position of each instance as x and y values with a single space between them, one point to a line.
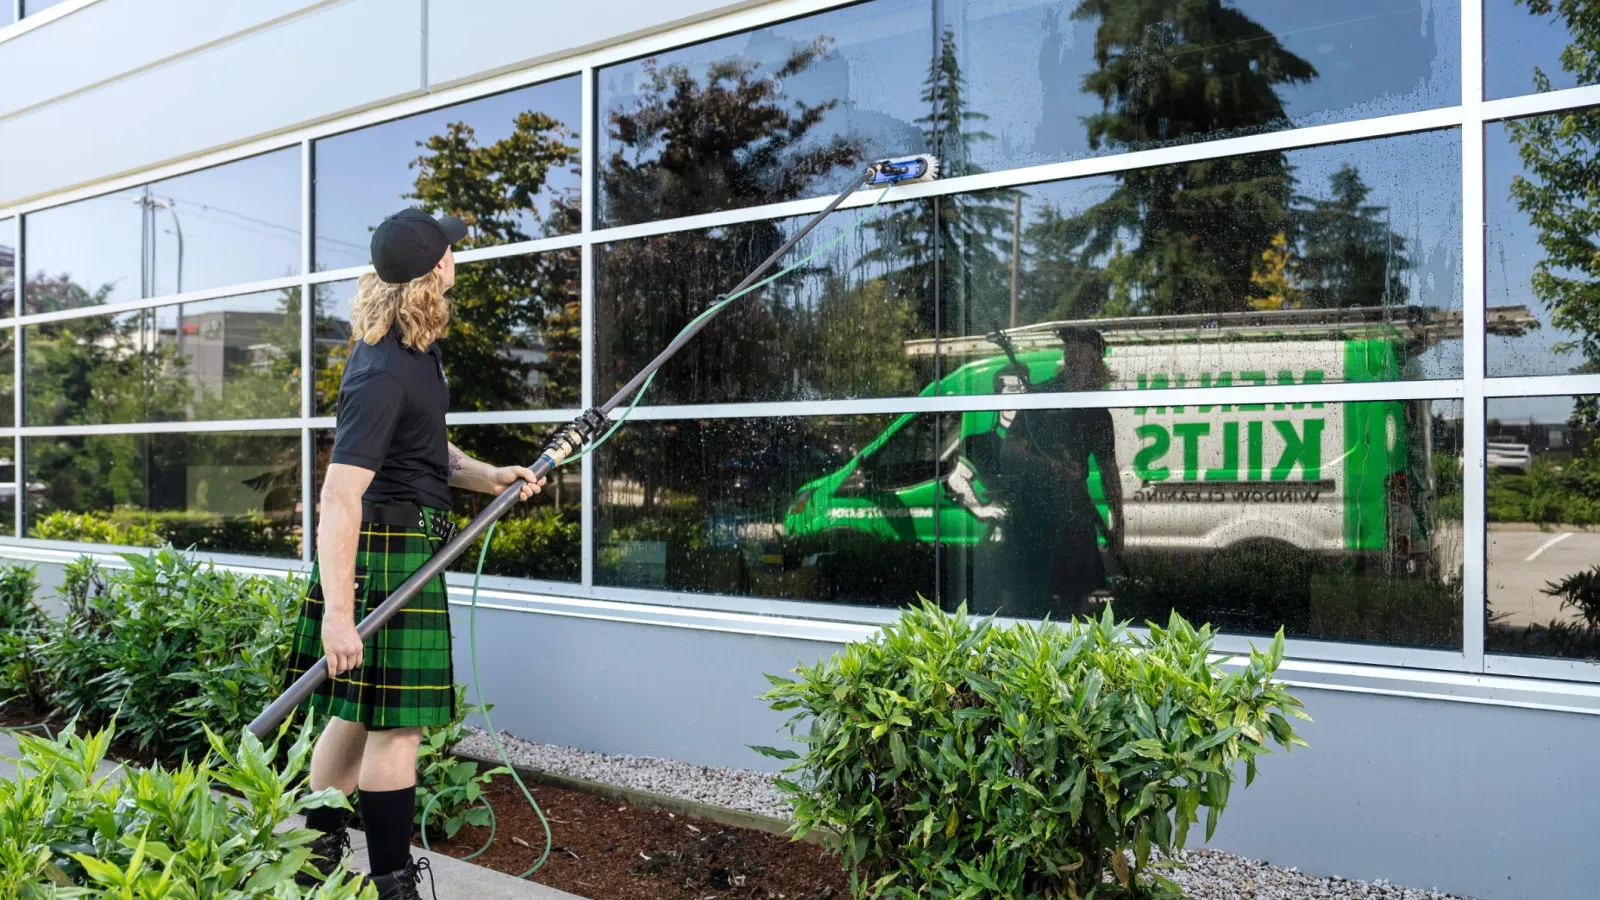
608 851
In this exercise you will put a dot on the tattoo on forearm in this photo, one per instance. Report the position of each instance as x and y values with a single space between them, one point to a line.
456 459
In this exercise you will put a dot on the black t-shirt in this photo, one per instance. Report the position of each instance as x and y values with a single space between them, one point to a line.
392 403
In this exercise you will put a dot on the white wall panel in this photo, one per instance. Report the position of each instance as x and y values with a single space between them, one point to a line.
113 37
333 59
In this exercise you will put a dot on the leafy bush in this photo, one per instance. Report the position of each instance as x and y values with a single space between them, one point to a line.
546 543
157 834
449 789
1549 494
256 535
956 758
169 646
21 629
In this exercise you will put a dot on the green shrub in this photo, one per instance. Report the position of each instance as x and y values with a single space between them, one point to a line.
255 535
1550 493
21 630
546 544
170 645
955 758
156 834
449 789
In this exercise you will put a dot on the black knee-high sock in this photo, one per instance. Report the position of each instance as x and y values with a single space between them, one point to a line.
386 818
327 819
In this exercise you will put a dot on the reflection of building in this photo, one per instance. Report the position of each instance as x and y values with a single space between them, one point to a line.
214 345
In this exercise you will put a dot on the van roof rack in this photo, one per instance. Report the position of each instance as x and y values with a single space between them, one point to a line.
1418 326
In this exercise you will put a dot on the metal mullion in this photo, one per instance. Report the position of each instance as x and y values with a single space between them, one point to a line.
1290 395
201 427
1539 104
521 248
1542 385
111 309
1576 670
308 360
1474 490
510 417
19 509
588 154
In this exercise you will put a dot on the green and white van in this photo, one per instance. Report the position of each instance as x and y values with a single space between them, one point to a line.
1338 479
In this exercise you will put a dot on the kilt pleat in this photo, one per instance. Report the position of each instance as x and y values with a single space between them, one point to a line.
406 677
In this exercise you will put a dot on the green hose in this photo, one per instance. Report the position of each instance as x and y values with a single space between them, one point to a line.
483 554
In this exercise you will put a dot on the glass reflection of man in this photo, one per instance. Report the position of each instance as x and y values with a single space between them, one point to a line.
1053 526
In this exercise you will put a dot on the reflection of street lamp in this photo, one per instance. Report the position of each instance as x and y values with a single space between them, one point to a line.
150 203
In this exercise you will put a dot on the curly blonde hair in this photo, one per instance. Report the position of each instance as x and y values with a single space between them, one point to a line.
419 307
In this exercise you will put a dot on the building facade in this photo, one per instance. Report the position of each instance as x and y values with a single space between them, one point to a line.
1272 315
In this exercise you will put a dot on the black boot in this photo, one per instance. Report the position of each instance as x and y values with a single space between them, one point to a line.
402 883
327 852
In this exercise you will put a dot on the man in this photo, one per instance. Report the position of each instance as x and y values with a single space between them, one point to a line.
1053 527
385 511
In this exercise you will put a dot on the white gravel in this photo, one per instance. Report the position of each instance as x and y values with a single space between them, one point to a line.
1210 875
729 788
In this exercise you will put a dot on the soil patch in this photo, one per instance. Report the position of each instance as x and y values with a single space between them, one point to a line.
609 851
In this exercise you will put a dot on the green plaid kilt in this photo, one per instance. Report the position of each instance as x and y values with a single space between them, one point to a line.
406 677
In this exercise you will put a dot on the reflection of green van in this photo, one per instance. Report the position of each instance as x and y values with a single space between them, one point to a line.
1328 479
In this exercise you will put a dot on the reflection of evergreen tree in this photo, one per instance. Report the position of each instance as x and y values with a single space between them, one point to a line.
1177 70
1349 256
964 231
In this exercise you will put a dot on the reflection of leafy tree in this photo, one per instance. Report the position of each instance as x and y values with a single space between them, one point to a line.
1561 191
1350 257
694 144
507 305
1176 70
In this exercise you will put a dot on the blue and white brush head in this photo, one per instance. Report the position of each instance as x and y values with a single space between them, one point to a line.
903 170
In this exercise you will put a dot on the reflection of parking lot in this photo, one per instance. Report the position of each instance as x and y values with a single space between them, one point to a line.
1522 562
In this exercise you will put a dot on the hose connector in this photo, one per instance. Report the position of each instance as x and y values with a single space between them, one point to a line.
575 435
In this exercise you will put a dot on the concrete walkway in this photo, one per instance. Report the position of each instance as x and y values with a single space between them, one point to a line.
455 880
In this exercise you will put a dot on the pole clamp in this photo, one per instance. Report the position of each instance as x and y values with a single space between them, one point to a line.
575 435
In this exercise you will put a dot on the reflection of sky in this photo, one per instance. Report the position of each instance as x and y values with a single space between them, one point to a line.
1513 250
240 223
1529 410
876 73
363 176
1515 42
1025 61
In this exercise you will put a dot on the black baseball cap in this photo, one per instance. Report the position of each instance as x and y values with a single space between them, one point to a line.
410 243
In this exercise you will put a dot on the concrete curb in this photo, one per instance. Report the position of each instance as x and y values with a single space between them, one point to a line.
721 815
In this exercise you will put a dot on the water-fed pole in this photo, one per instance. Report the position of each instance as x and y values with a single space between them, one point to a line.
568 441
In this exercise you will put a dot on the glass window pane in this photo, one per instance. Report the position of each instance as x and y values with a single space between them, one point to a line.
507 164
497 354
8 14
1337 521
8 267
540 539
29 7
843 325
231 224
1539 45
8 385
1330 264
1543 318
786 111
231 358
1542 456
1038 81
225 493
712 507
